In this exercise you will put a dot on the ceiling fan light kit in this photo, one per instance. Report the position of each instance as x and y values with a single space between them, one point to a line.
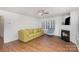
42 12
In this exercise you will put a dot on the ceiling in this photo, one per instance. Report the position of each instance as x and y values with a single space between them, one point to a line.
32 11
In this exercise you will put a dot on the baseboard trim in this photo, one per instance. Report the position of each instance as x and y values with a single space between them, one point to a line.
7 41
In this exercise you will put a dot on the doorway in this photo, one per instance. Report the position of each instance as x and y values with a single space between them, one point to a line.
1 31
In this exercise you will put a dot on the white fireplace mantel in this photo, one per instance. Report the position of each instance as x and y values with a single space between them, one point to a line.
66 27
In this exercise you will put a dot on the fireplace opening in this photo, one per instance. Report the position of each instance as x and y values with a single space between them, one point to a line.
65 35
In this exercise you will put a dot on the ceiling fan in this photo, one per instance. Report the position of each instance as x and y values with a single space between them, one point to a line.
42 12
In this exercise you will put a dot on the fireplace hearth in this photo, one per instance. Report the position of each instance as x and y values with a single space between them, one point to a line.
65 35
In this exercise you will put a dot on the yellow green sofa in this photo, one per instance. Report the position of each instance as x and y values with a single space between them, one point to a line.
29 34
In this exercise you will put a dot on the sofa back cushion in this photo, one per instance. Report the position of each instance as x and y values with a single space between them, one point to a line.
29 31
32 31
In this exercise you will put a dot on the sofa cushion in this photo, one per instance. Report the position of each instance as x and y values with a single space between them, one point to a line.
35 30
29 31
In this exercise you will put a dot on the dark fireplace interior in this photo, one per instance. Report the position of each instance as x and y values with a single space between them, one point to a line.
65 35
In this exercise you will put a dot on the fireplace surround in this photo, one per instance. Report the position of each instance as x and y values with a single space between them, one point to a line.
65 35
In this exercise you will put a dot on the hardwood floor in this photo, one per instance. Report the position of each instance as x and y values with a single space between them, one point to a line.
41 44
1 42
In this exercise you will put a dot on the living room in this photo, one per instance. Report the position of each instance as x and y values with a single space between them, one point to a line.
40 28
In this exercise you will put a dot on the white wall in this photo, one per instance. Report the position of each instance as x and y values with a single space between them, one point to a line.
74 27
58 20
14 22
74 19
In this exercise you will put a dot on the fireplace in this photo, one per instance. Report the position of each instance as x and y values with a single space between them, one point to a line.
65 35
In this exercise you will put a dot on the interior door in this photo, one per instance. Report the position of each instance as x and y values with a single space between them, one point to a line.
1 31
